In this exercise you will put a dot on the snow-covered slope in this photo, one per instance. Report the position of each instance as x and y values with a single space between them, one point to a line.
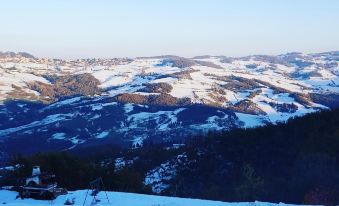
208 80
128 101
81 121
120 199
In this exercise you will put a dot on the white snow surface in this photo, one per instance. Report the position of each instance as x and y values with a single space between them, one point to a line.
102 134
48 120
121 199
157 177
162 123
250 120
59 135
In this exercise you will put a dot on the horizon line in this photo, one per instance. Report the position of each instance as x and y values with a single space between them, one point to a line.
161 55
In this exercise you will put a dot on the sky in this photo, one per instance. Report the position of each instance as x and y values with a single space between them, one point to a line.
129 28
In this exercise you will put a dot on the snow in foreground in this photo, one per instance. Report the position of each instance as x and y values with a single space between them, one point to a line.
119 199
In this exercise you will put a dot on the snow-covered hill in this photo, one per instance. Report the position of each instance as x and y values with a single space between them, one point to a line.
128 101
211 80
120 199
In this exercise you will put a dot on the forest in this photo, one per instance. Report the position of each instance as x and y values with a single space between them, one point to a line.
291 162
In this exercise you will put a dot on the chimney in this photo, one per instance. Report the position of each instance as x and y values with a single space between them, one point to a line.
36 170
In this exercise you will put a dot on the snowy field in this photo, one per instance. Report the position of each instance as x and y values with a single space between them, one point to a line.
119 199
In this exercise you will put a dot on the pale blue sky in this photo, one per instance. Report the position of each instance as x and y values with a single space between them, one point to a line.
103 28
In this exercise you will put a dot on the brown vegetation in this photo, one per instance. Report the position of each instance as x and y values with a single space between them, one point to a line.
80 84
162 99
208 64
161 87
247 106
180 62
239 84
19 93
